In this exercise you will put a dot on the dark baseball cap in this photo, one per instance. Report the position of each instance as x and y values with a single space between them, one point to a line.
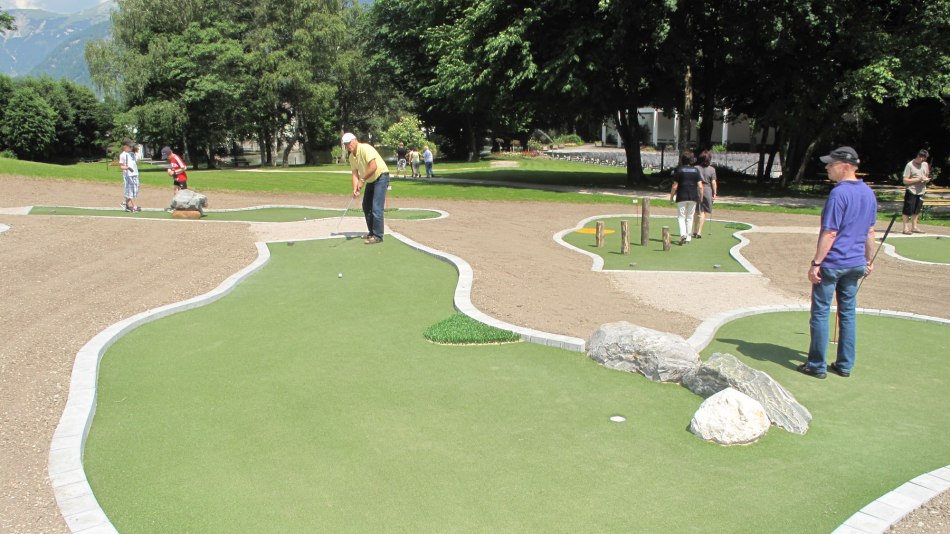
844 154
165 152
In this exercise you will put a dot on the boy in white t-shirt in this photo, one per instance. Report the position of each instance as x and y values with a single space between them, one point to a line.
916 176
130 175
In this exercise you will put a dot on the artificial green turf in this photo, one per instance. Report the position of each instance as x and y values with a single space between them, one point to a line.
932 248
700 255
253 215
460 329
307 402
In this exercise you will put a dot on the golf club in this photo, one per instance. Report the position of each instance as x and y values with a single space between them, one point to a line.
348 204
886 232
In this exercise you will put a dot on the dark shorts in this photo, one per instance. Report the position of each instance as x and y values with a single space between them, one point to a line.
706 203
912 203
182 185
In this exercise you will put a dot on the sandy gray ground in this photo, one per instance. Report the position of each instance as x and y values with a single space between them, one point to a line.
65 279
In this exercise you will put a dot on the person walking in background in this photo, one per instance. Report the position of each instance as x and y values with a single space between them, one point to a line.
130 175
843 256
177 169
414 159
427 159
401 160
710 188
687 190
369 169
916 177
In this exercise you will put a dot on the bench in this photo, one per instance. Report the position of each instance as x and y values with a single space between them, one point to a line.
930 204
241 161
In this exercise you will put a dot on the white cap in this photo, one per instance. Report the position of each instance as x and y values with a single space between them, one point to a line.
347 137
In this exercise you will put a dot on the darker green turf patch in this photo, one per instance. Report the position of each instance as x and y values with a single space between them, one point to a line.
460 329
276 214
700 255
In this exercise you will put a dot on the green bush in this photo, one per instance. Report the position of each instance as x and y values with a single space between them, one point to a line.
569 140
7 154
535 145
460 329
719 148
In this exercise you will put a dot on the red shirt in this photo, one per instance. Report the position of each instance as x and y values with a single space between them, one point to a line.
176 165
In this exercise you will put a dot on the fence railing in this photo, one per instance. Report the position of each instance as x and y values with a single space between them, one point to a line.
741 162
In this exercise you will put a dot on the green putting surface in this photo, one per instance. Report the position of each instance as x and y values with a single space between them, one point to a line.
250 215
700 255
934 249
307 402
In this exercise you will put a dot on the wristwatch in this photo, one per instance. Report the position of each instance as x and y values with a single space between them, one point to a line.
814 264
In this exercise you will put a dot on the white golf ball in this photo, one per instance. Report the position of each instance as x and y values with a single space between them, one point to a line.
339 275
618 419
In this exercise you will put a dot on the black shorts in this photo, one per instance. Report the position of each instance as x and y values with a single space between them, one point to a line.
180 185
912 203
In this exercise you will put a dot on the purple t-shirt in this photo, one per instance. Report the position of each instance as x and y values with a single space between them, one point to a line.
851 210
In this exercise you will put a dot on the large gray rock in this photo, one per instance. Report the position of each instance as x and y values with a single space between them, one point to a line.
659 356
188 200
723 371
730 418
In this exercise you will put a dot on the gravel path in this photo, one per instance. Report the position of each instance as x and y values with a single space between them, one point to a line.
65 279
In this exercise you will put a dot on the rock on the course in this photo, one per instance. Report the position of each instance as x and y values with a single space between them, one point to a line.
659 356
730 418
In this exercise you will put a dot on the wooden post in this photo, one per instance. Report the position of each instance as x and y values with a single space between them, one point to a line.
625 238
666 238
600 234
644 221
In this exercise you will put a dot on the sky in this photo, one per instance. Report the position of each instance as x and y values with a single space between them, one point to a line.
56 6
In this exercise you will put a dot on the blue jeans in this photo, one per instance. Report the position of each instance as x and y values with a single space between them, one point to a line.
844 284
429 169
374 202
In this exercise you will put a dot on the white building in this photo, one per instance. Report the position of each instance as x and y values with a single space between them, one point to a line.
731 131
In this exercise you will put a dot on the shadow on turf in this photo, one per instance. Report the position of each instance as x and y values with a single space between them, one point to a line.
768 352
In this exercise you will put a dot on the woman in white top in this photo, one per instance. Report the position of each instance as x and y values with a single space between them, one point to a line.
916 177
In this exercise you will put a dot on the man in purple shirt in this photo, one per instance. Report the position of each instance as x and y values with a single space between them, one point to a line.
843 256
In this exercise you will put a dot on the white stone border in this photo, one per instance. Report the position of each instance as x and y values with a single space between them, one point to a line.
71 488
890 250
3 228
890 508
598 261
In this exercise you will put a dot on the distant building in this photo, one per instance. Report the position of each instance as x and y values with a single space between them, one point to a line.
734 132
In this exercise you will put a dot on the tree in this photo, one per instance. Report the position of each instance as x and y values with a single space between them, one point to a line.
6 22
407 130
28 124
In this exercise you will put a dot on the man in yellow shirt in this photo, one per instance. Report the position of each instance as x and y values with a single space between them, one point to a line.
369 169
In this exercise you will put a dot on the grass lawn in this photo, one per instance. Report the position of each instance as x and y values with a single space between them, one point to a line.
304 402
251 215
700 255
932 248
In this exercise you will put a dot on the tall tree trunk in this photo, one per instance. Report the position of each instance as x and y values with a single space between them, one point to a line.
760 170
686 116
709 118
184 149
809 151
629 131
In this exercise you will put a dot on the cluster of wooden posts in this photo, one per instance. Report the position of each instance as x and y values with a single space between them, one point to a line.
644 230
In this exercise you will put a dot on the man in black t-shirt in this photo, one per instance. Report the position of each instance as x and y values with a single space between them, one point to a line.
687 190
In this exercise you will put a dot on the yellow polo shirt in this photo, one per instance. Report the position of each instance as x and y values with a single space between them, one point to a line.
359 161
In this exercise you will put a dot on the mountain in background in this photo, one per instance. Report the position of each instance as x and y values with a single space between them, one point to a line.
53 44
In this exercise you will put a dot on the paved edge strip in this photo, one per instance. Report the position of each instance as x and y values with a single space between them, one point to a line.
598 261
463 302
3 228
890 250
442 214
74 496
887 510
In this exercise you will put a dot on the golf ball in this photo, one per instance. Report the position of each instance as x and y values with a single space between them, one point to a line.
618 419
339 275
716 266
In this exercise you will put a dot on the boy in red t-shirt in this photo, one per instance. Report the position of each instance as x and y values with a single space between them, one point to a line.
176 169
